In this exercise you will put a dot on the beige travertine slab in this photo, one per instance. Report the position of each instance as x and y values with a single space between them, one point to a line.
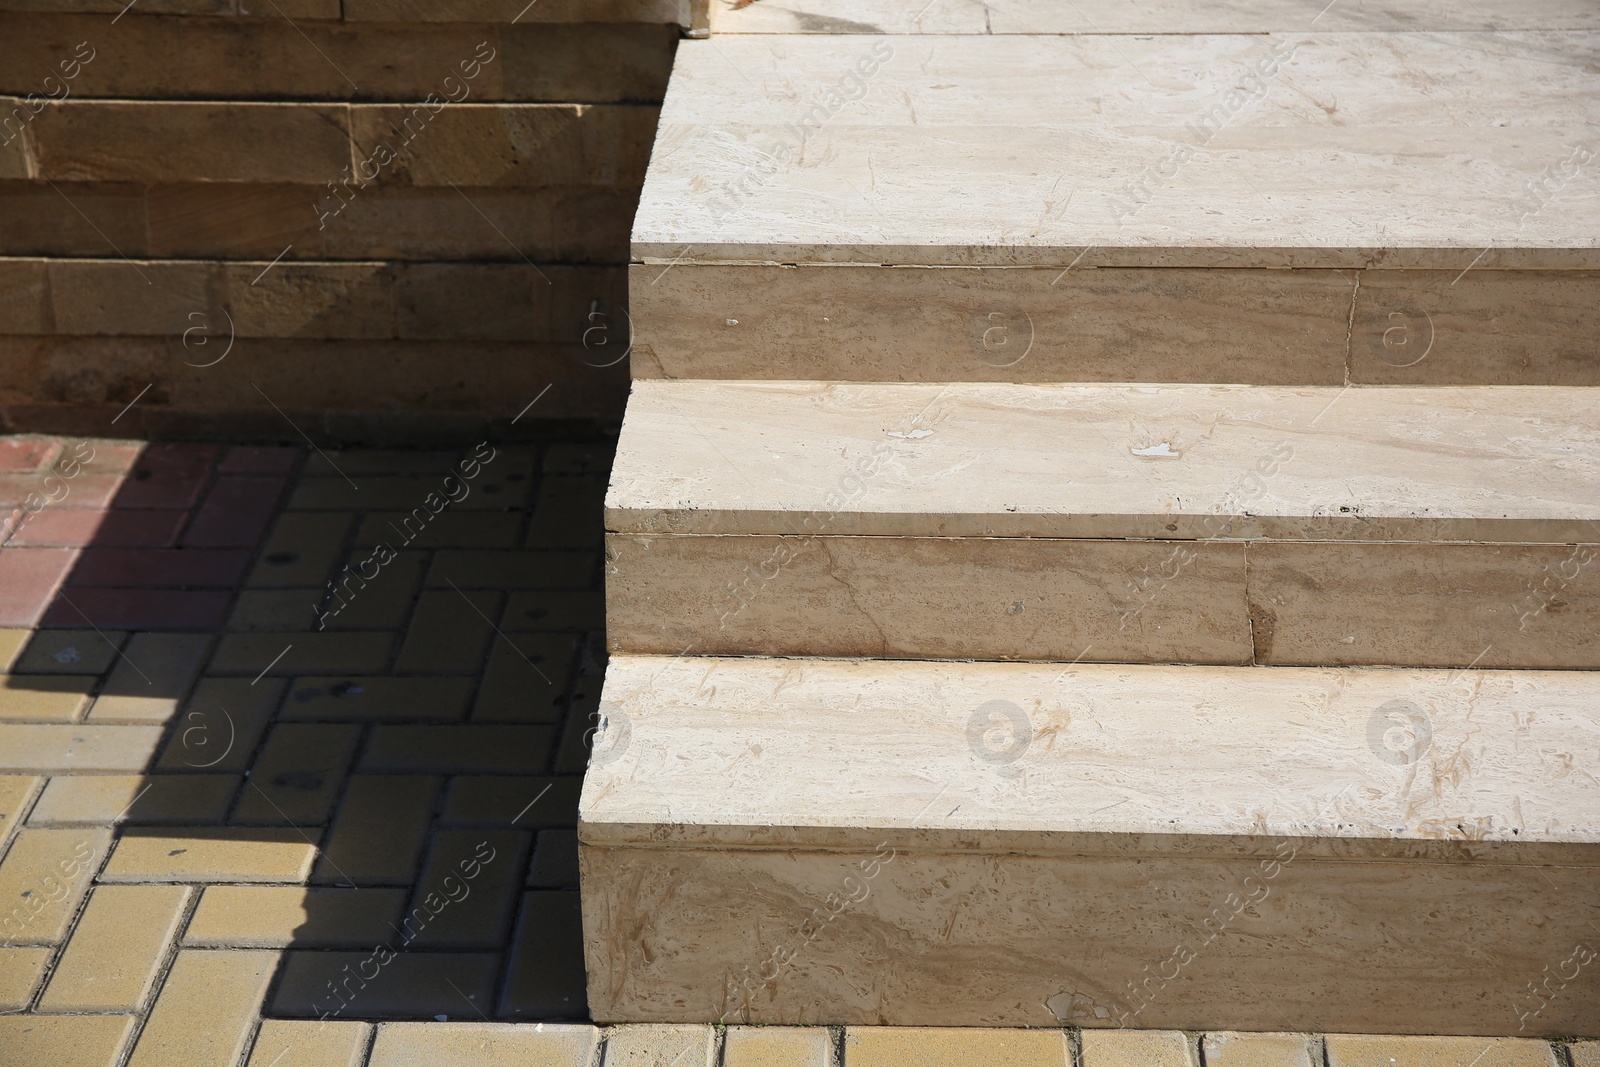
1425 605
1168 461
1144 16
975 939
1167 150
842 323
1371 763
927 597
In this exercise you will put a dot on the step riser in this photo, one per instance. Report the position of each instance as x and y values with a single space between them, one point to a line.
1314 604
972 940
1025 324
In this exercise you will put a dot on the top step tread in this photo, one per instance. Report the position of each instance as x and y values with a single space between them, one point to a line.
1146 16
1283 149
1440 463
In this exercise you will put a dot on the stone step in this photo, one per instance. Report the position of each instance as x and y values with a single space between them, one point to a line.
1439 526
1343 850
1286 207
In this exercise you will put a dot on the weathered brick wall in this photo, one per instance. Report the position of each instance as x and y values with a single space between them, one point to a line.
387 213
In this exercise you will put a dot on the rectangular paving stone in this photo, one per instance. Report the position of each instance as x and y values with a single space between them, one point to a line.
257 459
293 1043
528 803
167 476
16 790
472 1044
269 916
70 652
222 723
235 854
384 603
235 513
467 888
302 551
20 971
43 698
79 527
275 610
378 836
307 653
376 492
580 457
12 641
43 876
1231 1049
1134 1048
577 735
404 985
1584 1053
462 749
555 860
297 774
777 1046
1366 1050
135 799
546 977
151 678
177 568
569 513
139 609
648 1044
361 698
491 569
526 679
449 631
355 462
68 748
66 1040
448 529
888 1046
116 949
29 578
206 1009
554 609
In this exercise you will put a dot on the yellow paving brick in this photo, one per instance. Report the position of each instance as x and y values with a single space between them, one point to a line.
45 874
206 1009
43 698
269 916
385 604
151 677
658 1045
297 774
312 652
55 748
378 836
222 724
11 642
237 854
302 1043
273 610
1371 1050
64 1040
116 948
302 551
930 1047
70 652
20 970
894 1046
555 609
15 792
1135 1048
1232 1049
476 1044
526 679
777 1046
450 632
109 799
359 699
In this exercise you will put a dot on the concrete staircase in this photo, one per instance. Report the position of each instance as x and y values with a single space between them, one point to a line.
1161 453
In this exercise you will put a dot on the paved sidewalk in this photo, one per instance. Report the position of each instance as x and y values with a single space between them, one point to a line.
249 817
